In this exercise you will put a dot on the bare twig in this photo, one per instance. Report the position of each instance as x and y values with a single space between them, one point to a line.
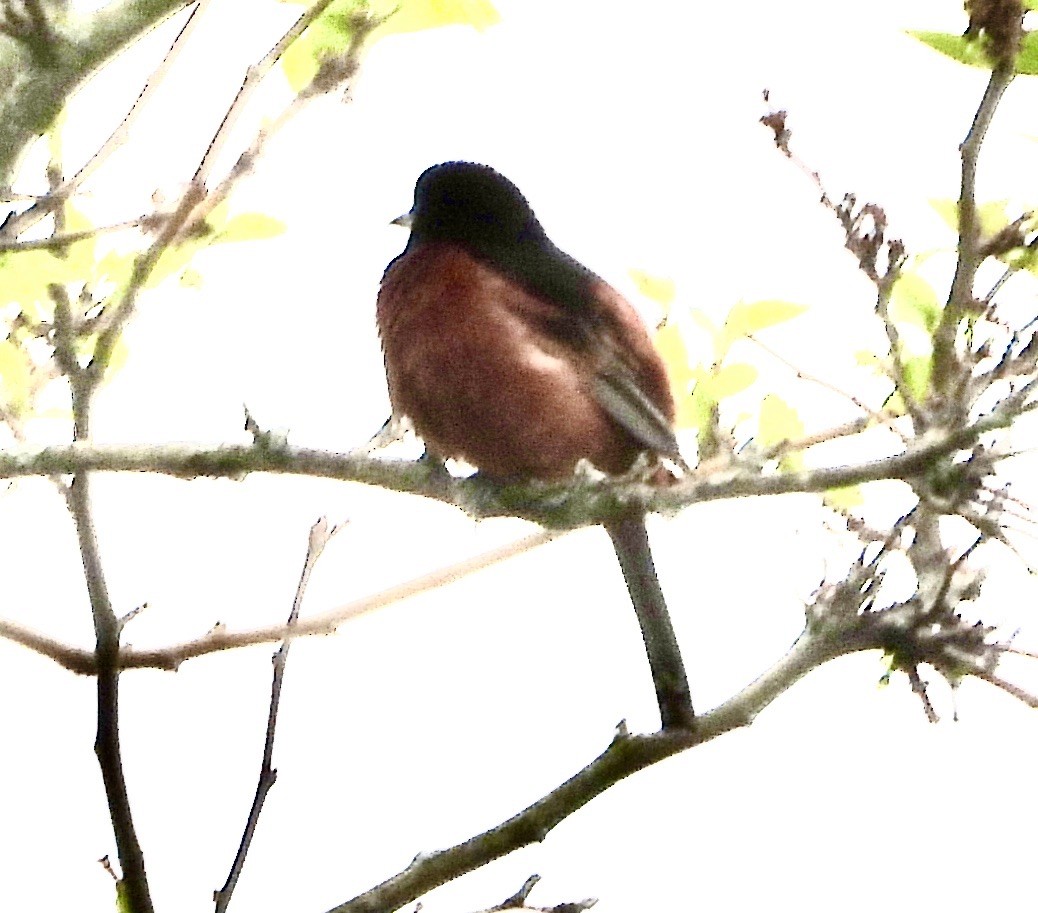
795 445
107 629
45 205
59 241
518 901
363 26
75 659
877 415
133 888
84 662
125 303
1019 693
866 245
626 755
253 77
320 534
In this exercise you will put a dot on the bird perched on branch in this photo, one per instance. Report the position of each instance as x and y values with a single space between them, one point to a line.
505 352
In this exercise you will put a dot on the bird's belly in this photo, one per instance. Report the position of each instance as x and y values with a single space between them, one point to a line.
512 410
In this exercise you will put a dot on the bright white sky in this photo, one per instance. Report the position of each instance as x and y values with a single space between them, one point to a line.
632 128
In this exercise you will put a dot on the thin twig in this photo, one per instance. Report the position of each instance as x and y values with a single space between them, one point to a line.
170 658
898 372
865 249
364 25
877 415
807 441
253 77
64 240
125 303
1011 270
518 901
320 534
45 205
1019 693
133 888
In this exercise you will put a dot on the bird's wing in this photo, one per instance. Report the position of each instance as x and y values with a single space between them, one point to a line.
617 391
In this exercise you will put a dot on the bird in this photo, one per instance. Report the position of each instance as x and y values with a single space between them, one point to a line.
506 353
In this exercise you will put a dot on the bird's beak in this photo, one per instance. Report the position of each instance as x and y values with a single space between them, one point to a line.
405 220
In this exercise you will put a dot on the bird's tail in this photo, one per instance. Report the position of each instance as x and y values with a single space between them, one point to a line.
631 543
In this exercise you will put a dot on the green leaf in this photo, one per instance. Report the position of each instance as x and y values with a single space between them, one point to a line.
917 371
730 379
778 422
948 210
191 278
957 47
25 275
79 257
748 317
917 375
993 215
418 15
249 226
655 288
700 410
669 340
973 53
113 267
16 372
844 498
171 262
327 36
863 358
914 301
1027 57
123 903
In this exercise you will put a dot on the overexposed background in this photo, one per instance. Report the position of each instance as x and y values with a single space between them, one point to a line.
632 129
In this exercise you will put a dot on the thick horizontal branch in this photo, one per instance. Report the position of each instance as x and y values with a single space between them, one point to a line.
583 501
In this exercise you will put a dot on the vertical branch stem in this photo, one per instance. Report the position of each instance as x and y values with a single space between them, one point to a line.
320 533
135 894
960 296
107 629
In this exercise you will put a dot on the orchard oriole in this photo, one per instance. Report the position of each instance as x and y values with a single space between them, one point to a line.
507 353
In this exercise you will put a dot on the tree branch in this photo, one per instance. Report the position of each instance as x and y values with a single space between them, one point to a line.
36 86
946 375
584 501
320 534
625 755
107 630
84 662
44 205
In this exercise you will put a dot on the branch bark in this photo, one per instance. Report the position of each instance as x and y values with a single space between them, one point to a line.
625 755
583 502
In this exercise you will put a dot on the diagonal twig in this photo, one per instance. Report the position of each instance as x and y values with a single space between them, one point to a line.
320 534
46 204
170 658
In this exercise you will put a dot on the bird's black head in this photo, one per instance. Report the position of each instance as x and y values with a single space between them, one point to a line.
473 205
